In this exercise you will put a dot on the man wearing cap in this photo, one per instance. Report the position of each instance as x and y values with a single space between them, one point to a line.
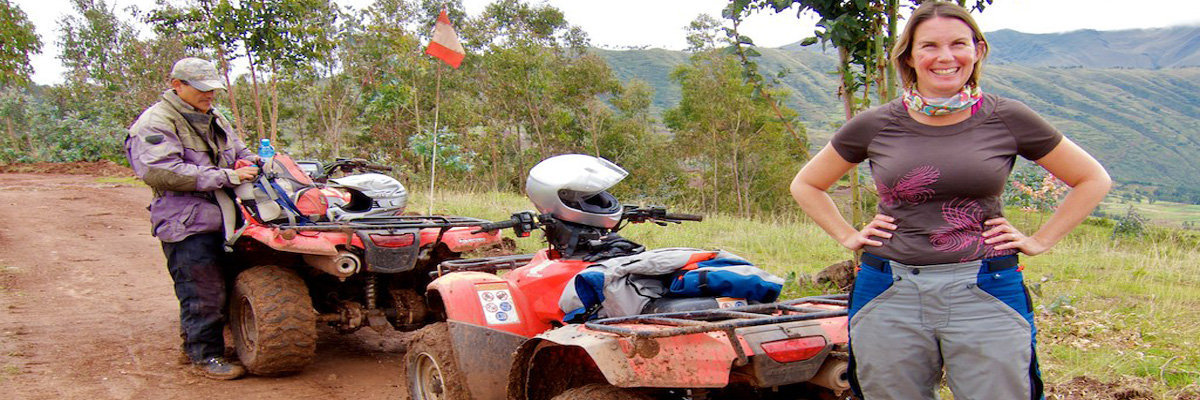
187 153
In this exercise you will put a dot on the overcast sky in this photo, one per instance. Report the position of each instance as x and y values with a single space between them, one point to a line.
659 23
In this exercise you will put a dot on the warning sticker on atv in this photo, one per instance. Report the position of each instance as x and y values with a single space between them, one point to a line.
497 302
730 302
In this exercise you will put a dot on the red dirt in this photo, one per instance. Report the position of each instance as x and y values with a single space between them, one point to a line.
88 310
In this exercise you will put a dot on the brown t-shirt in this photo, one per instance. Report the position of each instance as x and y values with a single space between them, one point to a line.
942 182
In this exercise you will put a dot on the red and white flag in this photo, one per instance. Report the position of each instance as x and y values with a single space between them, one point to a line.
445 44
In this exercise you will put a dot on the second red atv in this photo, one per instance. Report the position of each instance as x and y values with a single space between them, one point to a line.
315 267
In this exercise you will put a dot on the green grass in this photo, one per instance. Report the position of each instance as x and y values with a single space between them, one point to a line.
1107 308
1159 213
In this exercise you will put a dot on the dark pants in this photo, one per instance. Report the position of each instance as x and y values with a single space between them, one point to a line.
197 266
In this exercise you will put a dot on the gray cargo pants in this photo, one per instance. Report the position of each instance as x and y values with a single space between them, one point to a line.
973 318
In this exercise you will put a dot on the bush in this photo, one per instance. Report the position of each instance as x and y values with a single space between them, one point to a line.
41 132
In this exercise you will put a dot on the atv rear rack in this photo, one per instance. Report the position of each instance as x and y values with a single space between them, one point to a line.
726 320
689 322
394 222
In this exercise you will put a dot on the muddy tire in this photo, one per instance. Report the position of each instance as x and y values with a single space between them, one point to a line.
600 391
273 321
430 368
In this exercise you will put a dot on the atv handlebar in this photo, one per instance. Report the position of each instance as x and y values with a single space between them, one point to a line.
522 224
684 217
656 214
525 222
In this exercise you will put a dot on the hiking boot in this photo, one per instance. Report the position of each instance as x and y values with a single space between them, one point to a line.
218 367
183 358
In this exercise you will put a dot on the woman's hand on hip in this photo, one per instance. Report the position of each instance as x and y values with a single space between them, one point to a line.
880 226
1004 236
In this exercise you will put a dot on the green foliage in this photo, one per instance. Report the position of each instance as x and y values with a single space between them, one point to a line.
88 41
451 157
738 154
20 41
1033 190
1132 224
43 132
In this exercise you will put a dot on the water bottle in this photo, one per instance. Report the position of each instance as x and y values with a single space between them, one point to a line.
265 150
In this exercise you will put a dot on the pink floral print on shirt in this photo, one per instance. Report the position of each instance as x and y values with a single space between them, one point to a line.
911 188
966 218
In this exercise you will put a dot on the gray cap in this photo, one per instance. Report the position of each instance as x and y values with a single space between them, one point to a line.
199 73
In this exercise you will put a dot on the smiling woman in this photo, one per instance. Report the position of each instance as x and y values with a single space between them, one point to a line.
940 278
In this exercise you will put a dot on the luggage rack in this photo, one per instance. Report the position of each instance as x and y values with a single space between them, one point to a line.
486 264
691 322
393 222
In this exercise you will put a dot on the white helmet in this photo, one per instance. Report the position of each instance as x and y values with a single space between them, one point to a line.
380 195
571 187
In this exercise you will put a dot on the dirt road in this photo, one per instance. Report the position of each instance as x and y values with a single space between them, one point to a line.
87 309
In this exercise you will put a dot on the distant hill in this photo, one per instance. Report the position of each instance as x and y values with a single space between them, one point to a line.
1143 49
1132 98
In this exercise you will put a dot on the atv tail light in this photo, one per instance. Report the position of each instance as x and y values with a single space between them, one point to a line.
403 240
795 349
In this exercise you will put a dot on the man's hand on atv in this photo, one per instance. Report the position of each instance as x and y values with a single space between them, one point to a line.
246 173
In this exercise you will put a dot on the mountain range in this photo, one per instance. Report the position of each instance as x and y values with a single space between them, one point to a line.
1131 98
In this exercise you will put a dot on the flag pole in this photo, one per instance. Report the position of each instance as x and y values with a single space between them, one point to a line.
437 90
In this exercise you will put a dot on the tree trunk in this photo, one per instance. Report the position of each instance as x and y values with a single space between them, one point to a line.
401 138
892 5
735 166
537 129
274 103
237 113
714 159
848 107
257 99
494 160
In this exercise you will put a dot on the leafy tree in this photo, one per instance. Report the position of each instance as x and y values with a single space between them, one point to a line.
727 132
201 26
20 41
285 35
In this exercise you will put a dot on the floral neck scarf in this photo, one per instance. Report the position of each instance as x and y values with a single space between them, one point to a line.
969 95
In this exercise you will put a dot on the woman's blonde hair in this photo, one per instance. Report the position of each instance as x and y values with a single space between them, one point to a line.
928 10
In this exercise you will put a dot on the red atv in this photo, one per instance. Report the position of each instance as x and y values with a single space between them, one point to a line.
347 273
504 335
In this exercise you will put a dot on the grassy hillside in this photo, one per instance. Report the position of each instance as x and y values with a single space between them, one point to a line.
1141 48
1143 124
1106 309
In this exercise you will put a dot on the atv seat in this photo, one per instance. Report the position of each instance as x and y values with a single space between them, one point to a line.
681 304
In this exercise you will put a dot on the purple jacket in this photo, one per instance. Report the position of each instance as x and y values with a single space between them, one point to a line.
185 156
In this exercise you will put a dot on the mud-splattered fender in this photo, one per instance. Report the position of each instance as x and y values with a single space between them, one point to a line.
694 361
485 300
460 239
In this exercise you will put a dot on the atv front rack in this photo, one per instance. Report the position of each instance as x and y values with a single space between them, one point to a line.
689 322
393 222
486 264
726 320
